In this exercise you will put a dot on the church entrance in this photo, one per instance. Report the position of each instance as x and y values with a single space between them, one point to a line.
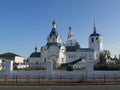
54 59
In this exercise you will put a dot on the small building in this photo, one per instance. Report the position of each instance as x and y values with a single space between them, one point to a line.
11 56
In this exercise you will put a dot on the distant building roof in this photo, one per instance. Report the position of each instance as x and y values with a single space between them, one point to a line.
8 55
35 55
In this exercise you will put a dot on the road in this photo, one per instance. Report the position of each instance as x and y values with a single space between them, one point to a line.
63 87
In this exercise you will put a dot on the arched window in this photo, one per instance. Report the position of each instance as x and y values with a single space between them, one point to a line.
71 56
62 59
45 60
74 55
97 39
92 40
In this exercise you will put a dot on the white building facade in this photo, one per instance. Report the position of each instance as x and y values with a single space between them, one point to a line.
69 51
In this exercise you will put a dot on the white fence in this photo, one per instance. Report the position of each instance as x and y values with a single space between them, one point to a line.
89 72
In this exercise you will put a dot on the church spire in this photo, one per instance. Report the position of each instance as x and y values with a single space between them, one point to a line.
70 33
54 23
94 29
35 48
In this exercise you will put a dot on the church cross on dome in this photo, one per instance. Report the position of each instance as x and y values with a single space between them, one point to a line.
54 23
94 29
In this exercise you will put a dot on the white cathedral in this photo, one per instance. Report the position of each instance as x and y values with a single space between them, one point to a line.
69 51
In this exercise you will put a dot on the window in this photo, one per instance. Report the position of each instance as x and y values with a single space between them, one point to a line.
45 60
62 59
45 49
100 39
89 55
97 56
36 62
74 55
58 39
69 55
97 39
92 39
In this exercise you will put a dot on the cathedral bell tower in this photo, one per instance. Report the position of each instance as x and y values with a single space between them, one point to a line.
53 37
96 40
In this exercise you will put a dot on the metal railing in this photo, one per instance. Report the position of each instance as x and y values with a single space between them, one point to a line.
26 79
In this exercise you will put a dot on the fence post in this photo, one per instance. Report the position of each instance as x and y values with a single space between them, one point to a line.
82 78
27 78
93 77
6 78
108 77
61 78
38 78
104 78
49 81
115 77
16 78
49 66
90 65
8 66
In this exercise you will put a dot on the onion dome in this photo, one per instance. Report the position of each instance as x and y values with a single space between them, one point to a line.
35 55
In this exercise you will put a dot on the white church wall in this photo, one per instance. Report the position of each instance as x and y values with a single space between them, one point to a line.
62 58
44 54
97 44
53 50
88 55
34 60
71 56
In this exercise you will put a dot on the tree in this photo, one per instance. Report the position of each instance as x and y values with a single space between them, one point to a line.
102 58
119 57
107 53
69 67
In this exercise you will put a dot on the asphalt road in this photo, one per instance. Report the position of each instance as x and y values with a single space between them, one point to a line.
63 87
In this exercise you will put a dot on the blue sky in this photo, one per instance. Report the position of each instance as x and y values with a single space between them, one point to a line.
26 23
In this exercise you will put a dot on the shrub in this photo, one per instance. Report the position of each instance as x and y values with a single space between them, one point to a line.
107 67
69 67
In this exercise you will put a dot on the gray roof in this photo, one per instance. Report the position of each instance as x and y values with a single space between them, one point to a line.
35 55
70 49
53 44
77 45
73 48
71 63
87 49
